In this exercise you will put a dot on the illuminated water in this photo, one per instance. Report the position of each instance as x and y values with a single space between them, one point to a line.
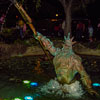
53 87
13 71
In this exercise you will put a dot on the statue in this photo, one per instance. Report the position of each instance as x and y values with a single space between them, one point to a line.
67 64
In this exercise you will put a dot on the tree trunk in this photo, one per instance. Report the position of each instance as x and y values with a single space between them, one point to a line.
67 9
67 27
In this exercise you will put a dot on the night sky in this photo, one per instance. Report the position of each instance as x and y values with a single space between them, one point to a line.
48 9
93 9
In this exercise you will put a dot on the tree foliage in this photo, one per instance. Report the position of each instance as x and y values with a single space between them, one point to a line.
38 3
70 6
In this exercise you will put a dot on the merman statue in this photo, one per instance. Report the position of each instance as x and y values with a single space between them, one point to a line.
67 64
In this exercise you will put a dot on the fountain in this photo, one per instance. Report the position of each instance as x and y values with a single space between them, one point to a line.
53 87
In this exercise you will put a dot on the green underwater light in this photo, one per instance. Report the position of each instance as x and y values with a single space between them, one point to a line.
17 99
26 81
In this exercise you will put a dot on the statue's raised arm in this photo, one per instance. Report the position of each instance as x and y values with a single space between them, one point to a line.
46 43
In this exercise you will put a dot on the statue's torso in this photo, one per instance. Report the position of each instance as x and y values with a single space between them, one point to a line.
65 66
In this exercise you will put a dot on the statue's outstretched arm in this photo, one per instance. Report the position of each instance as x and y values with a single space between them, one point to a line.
47 43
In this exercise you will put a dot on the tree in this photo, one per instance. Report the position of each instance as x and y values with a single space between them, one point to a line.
68 6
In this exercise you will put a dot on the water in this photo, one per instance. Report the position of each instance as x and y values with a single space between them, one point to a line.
74 90
14 70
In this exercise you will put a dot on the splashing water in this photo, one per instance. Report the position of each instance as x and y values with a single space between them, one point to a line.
74 90
5 16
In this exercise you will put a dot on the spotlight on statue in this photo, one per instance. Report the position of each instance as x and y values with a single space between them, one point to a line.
28 98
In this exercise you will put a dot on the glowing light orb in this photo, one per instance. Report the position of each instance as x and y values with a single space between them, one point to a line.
28 98
17 99
57 15
96 84
26 82
34 84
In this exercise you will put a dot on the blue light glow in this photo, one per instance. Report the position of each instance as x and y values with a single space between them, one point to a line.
34 84
28 98
96 84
